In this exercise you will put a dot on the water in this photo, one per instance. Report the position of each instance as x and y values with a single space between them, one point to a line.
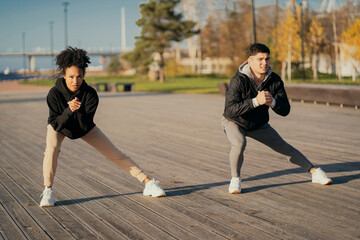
15 63
19 76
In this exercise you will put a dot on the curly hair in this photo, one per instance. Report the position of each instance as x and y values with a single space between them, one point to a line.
72 57
256 48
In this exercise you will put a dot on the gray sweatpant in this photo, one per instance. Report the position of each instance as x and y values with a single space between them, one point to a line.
266 135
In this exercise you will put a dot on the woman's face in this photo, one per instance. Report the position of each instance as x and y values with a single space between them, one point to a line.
74 77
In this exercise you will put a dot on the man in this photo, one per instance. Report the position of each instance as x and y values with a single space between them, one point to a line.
251 92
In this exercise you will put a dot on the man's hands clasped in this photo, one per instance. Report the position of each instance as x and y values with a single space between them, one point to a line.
264 97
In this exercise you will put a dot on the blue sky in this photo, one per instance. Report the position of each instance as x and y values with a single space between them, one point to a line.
92 24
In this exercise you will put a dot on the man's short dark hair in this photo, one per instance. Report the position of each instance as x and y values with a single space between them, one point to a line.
256 48
72 57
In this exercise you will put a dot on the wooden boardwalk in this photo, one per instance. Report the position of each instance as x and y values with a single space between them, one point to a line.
177 139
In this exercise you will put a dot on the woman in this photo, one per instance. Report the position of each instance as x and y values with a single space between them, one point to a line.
72 106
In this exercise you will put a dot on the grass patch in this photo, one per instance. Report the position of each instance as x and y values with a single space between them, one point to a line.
181 85
186 84
172 85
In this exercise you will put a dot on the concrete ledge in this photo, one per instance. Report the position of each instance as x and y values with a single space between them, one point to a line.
343 95
112 86
328 94
222 87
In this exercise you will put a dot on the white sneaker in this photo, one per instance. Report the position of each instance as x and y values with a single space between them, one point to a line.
48 199
152 188
235 185
319 176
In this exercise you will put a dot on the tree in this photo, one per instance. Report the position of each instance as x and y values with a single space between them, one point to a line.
351 39
287 43
114 65
210 39
191 13
317 42
227 33
160 25
141 56
234 28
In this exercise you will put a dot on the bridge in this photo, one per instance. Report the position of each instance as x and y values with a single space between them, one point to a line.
31 56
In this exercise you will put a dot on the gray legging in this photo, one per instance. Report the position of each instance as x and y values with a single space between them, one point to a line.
266 135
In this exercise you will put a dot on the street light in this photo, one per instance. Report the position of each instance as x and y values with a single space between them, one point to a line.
65 23
24 56
253 21
302 5
52 44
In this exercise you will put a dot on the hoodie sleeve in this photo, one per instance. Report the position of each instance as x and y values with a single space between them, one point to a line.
235 104
87 110
282 105
57 118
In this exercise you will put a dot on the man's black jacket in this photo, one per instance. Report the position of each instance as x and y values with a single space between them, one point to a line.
238 100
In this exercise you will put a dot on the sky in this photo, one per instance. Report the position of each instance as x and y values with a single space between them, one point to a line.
92 24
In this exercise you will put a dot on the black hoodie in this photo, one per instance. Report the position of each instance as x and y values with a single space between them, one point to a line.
72 124
242 89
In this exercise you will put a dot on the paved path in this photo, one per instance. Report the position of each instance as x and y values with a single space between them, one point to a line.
15 86
177 139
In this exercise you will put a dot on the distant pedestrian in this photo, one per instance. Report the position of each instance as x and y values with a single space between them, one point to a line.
72 106
251 92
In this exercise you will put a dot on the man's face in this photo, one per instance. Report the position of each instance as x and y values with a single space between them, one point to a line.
259 63
73 77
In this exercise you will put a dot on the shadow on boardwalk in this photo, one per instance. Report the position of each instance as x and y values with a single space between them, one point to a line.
185 190
177 139
329 168
15 99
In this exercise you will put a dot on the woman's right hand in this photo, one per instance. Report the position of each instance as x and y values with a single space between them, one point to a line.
74 104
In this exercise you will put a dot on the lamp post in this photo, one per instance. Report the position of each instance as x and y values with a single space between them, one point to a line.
302 40
24 55
65 23
123 32
52 44
253 22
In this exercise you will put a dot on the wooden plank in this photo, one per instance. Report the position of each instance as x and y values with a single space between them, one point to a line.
46 222
64 218
106 230
101 230
20 217
185 219
226 226
8 227
183 224
177 138
116 223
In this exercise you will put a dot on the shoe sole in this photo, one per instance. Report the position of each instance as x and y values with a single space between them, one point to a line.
235 192
327 183
162 195
48 205
149 195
